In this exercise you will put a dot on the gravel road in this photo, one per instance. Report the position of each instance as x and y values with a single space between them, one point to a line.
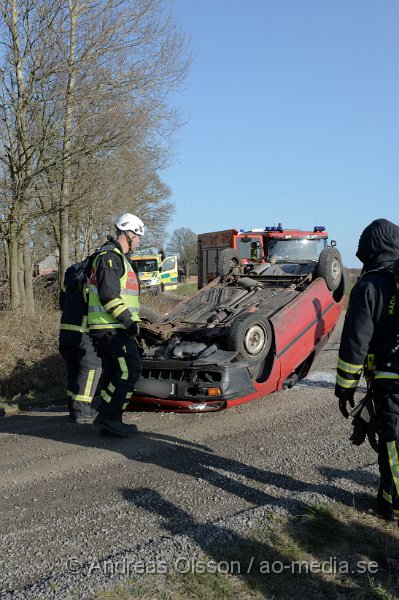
70 499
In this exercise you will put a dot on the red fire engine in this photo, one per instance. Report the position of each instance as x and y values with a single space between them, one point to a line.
259 245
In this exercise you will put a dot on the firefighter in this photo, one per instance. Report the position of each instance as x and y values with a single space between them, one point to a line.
113 316
370 343
75 346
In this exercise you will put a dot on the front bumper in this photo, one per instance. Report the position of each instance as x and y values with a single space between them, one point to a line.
150 285
178 384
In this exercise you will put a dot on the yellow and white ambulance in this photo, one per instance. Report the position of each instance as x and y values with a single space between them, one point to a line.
157 275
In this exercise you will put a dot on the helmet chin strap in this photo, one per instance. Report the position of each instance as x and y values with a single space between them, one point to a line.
129 241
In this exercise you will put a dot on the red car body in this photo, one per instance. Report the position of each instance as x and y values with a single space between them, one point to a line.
301 316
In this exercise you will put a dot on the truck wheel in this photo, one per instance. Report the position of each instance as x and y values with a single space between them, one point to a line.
251 336
148 315
330 267
227 261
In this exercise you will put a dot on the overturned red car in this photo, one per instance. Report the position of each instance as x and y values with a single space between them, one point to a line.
253 330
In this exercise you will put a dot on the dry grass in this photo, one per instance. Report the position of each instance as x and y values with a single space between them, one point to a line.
30 365
161 303
333 551
29 358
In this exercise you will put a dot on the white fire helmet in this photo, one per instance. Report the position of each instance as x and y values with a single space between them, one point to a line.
129 222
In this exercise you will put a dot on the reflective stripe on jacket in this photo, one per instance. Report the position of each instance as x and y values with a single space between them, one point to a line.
73 304
348 374
82 328
385 375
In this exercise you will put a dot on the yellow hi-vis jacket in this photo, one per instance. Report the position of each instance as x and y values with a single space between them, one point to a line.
101 317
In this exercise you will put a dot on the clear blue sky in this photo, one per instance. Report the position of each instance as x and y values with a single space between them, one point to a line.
293 116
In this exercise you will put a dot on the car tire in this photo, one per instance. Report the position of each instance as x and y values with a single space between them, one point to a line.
251 336
227 261
148 315
330 268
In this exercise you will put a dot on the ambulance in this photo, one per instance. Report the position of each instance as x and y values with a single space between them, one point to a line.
157 275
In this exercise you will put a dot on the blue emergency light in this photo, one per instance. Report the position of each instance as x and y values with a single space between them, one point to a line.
273 228
318 228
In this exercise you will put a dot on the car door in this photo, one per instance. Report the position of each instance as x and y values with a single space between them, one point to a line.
169 273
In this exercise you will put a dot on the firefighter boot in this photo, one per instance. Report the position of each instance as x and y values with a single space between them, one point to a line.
113 427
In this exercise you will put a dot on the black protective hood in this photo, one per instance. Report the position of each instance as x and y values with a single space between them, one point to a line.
379 244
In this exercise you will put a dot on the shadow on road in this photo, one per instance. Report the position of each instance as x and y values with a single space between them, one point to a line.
199 465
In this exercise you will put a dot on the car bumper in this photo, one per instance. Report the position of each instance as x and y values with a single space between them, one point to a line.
178 385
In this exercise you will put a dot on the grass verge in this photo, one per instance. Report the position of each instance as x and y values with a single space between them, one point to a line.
30 364
48 398
187 289
329 551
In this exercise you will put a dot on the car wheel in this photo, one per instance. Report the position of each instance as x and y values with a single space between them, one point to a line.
256 370
227 261
148 315
330 268
251 336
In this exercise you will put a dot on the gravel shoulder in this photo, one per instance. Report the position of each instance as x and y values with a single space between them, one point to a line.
183 483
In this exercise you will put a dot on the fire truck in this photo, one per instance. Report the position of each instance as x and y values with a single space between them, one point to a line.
272 243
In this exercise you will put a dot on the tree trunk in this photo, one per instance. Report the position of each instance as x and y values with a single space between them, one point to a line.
13 254
87 241
29 300
21 282
67 144
7 259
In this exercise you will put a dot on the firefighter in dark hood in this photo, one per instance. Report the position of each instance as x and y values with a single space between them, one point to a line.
370 343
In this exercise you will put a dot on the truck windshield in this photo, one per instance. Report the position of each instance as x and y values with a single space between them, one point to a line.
293 250
146 265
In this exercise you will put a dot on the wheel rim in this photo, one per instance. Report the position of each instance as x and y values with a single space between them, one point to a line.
336 269
254 340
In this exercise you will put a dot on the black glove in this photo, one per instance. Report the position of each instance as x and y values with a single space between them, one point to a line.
364 422
133 330
359 431
342 402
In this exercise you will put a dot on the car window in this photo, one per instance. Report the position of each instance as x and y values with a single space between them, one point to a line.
169 263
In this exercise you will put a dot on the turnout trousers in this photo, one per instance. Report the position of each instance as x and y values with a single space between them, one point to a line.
386 400
83 375
121 370
388 463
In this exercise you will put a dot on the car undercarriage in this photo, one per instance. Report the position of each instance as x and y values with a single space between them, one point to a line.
221 344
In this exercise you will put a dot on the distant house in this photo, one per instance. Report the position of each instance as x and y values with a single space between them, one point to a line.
48 265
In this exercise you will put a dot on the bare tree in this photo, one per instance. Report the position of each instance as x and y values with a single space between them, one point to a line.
105 190
183 243
25 28
83 84
122 59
